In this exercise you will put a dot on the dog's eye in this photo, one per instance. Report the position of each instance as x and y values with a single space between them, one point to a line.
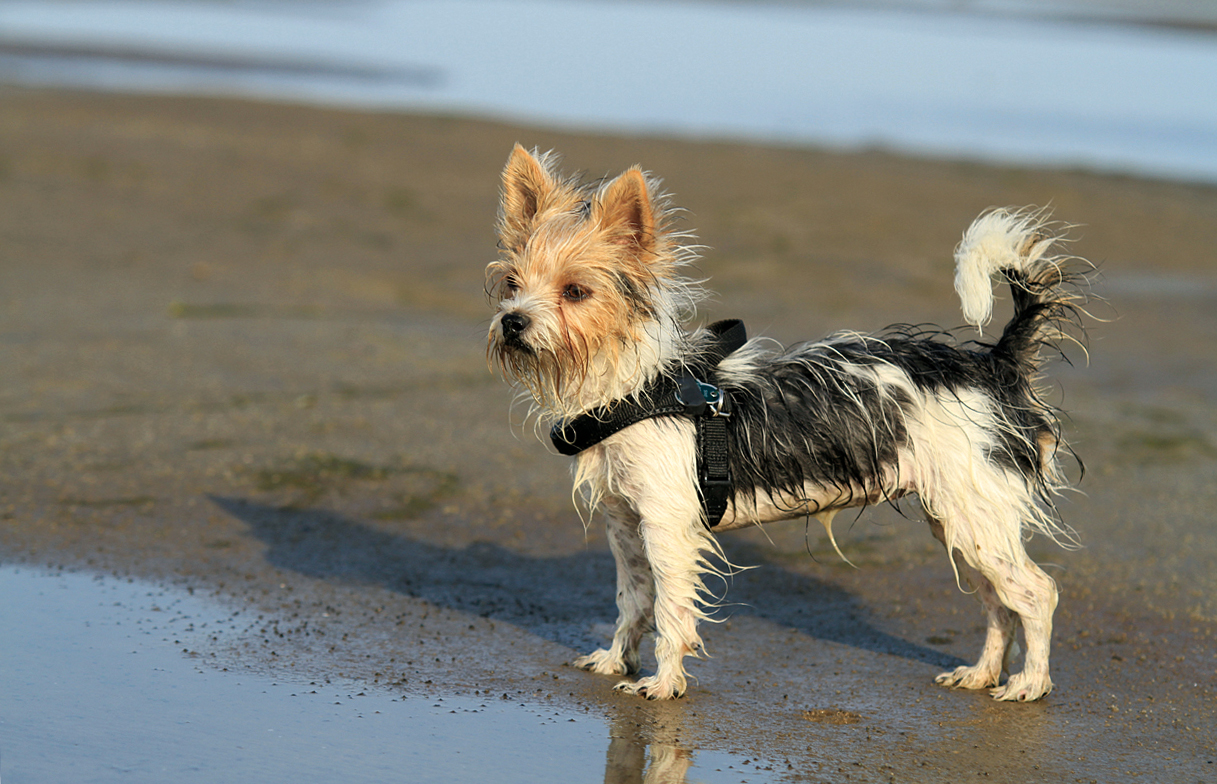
511 283
575 293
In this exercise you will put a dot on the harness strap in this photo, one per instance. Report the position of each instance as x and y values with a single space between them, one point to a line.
713 474
707 405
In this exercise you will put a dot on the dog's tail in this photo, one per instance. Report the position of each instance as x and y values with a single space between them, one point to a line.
1021 246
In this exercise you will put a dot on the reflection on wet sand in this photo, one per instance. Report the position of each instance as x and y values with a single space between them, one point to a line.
638 757
628 763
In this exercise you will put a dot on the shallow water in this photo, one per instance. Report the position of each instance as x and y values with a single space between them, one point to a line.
106 679
998 82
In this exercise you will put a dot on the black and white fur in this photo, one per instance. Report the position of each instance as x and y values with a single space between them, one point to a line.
850 421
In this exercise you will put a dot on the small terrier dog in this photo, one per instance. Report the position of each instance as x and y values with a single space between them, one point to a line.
718 433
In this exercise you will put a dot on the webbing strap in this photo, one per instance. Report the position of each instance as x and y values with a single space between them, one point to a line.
713 471
707 405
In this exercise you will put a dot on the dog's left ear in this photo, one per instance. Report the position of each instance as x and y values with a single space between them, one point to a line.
626 213
526 185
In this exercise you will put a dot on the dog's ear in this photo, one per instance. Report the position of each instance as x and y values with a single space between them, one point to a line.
526 183
625 212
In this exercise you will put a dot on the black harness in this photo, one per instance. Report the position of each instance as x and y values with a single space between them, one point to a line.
685 395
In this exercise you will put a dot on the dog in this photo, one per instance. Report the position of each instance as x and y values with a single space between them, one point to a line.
684 433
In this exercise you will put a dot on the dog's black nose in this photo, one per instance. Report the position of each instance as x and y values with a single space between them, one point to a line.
513 324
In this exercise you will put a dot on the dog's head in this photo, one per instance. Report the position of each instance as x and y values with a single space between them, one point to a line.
589 294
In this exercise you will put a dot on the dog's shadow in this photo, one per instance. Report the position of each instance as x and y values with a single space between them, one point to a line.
557 599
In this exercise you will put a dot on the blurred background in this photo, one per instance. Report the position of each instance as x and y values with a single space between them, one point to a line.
1113 85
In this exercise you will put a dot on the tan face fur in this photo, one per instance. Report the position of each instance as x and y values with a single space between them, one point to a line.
580 282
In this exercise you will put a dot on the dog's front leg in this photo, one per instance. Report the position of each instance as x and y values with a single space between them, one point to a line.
674 542
635 595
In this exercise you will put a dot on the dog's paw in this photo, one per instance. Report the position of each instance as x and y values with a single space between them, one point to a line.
1022 687
603 662
974 677
653 688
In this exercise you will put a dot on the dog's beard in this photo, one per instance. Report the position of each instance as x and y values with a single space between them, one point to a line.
568 376
552 378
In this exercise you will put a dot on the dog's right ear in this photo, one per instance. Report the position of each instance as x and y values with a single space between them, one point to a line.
526 183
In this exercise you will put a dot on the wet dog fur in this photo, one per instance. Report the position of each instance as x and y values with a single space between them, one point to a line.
593 303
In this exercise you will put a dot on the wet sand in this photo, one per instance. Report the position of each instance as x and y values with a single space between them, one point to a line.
243 354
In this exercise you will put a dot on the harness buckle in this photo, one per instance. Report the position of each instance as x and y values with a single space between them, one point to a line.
699 398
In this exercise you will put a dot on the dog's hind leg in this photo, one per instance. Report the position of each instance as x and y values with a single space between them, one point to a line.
1024 592
999 637
635 596
1027 590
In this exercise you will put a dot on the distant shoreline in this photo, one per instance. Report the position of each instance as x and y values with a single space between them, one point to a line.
1104 88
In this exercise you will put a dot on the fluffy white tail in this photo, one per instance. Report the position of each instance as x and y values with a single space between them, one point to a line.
999 240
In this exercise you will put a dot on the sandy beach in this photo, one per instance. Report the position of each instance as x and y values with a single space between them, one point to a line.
243 354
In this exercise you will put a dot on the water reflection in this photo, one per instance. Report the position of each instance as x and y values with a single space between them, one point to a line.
638 757
631 762
668 765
